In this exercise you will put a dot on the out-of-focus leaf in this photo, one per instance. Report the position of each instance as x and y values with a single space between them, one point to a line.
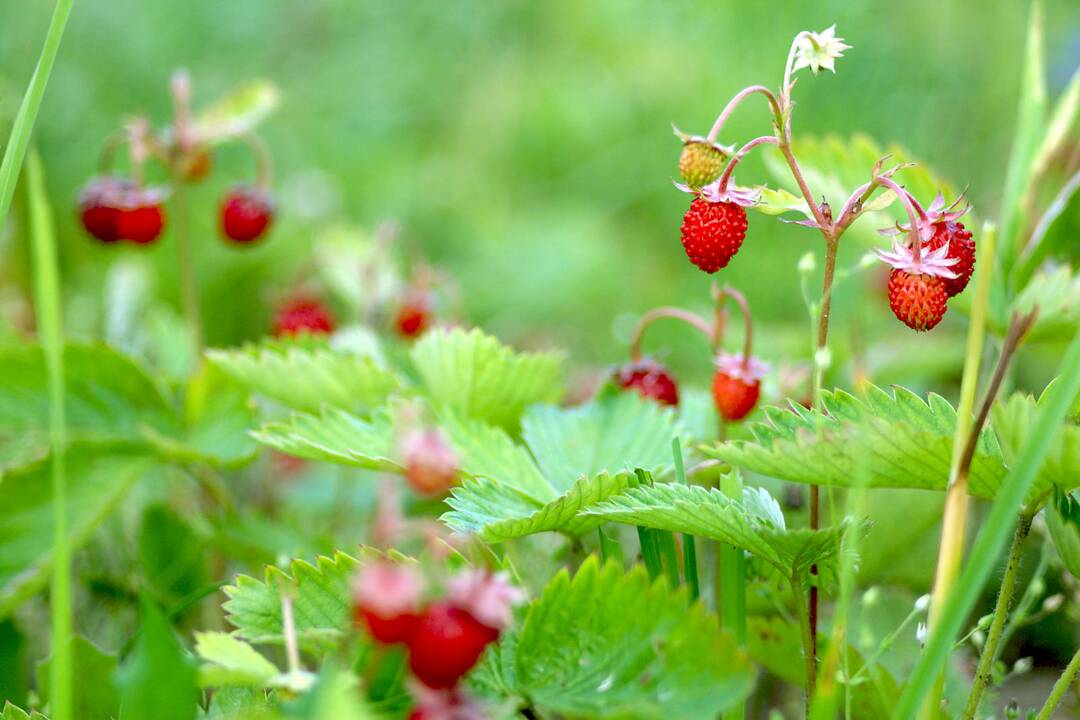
1012 422
1056 291
158 679
1062 120
609 644
306 377
97 480
15 680
238 112
12 712
231 661
478 376
1063 522
94 694
336 436
172 558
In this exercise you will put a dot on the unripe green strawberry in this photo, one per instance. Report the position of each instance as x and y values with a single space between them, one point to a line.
701 162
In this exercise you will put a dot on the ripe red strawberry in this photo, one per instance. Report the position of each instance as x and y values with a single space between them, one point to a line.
303 315
413 317
97 209
651 379
961 247
917 300
736 385
245 214
446 643
453 704
431 467
712 233
386 600
701 162
140 216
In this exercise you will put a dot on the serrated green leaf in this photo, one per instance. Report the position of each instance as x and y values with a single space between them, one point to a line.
338 437
97 480
238 112
319 595
171 557
756 525
582 455
609 644
11 712
1056 292
306 377
475 374
336 696
882 440
93 695
231 661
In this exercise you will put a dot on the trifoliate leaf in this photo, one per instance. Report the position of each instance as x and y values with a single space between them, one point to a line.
338 437
97 480
231 661
908 439
581 457
609 644
478 376
320 599
308 376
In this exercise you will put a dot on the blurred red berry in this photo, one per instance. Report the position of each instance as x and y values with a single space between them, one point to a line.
651 380
414 315
446 643
245 214
712 233
303 316
736 385
431 466
140 216
386 601
98 206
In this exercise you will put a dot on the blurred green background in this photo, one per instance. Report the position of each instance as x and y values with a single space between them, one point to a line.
526 146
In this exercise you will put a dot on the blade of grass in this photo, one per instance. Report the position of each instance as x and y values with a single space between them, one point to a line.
650 547
689 545
19 140
47 307
610 549
994 535
733 584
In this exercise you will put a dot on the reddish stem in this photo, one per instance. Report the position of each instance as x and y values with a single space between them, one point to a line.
734 103
748 325
914 211
675 313
737 157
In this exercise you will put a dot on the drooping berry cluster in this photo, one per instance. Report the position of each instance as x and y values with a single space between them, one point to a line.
934 263
444 636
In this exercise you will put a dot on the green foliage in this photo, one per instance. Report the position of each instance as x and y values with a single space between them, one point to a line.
12 712
158 679
231 661
171 556
97 481
909 439
338 437
475 374
580 457
336 696
320 599
756 525
1063 522
308 375
611 645
94 694
1014 420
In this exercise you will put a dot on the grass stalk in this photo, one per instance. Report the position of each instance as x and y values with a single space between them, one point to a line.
185 256
690 571
1060 687
19 141
50 332
733 584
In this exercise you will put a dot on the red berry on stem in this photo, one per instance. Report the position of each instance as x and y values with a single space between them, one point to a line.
961 248
736 385
445 644
651 380
386 600
917 300
140 216
712 233
98 206
414 315
431 467
303 315
245 214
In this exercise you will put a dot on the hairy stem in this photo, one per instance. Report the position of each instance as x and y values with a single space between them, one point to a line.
1001 613
1058 692
739 155
714 132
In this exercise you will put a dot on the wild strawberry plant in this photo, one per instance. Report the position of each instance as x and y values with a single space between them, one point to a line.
469 543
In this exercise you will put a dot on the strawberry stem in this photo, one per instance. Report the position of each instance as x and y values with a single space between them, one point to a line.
675 313
261 153
915 213
733 103
743 151
728 292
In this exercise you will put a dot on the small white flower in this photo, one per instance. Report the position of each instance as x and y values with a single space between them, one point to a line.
807 263
920 633
1023 665
823 358
818 50
922 603
1053 602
